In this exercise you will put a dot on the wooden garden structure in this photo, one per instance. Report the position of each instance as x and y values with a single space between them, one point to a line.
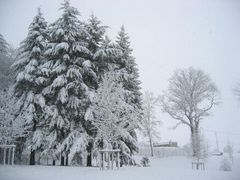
107 157
8 153
199 164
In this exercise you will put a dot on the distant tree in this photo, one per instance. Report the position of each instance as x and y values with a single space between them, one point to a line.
149 123
112 117
6 77
236 91
3 45
28 84
12 52
190 96
11 124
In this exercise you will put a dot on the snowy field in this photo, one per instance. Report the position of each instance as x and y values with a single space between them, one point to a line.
170 168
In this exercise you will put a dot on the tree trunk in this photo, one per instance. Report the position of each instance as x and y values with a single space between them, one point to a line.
54 162
121 161
89 155
62 160
32 153
151 145
193 143
66 160
32 157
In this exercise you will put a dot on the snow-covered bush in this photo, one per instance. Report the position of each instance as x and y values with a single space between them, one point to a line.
145 161
229 150
225 165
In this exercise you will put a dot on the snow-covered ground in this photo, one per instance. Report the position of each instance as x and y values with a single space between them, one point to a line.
169 168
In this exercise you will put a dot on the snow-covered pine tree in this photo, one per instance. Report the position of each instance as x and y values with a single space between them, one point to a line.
128 68
112 117
96 32
127 63
103 53
106 56
27 86
3 45
67 95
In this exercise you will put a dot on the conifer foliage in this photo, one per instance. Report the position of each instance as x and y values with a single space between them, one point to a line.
126 62
66 93
77 88
27 86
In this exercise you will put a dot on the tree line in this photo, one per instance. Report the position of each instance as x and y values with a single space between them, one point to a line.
63 69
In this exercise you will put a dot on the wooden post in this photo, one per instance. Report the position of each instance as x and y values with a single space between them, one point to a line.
108 154
4 156
13 152
104 159
117 160
112 159
101 161
9 155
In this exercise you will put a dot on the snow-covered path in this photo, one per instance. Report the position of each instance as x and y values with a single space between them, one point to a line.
174 168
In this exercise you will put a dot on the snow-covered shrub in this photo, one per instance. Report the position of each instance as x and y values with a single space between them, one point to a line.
145 161
229 150
225 165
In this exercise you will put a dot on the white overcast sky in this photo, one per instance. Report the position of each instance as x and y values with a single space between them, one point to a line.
165 35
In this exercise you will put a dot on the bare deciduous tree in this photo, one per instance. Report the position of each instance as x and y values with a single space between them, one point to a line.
149 122
236 91
190 97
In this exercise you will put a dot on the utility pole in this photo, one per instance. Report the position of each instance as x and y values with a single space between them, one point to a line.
217 141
